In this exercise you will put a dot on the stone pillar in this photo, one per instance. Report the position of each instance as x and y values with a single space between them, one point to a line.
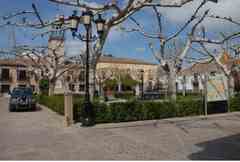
68 109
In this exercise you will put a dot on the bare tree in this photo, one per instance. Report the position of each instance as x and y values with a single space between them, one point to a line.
117 13
46 62
171 62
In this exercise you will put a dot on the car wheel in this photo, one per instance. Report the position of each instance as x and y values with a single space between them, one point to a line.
11 109
34 107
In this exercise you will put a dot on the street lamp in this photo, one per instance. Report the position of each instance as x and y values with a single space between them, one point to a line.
74 21
88 114
142 84
100 22
87 18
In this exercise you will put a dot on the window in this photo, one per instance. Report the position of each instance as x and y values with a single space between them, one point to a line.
81 87
22 85
5 88
71 87
5 75
213 73
195 82
68 78
149 86
22 75
82 76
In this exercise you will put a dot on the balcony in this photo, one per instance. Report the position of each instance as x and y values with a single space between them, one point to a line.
5 79
22 79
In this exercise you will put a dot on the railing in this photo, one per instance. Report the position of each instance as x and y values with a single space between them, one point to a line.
22 79
5 79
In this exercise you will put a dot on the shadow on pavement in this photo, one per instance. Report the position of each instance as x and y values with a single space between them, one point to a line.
226 148
29 110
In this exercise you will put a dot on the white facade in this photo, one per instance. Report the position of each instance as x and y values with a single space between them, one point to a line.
187 83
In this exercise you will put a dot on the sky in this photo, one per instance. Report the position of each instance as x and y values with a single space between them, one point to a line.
131 45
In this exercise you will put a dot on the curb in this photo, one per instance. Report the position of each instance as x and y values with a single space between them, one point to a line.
161 121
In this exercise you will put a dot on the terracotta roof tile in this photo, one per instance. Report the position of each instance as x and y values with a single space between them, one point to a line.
15 62
207 67
112 59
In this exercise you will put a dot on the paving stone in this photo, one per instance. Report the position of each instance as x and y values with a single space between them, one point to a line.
41 135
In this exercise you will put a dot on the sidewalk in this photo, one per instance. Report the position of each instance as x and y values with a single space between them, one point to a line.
40 135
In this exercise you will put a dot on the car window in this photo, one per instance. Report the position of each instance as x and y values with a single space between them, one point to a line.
28 91
16 92
22 92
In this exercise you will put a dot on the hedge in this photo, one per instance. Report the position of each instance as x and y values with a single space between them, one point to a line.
129 111
125 95
56 103
235 103
134 110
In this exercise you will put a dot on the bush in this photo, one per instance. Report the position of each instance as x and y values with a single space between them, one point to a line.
235 103
138 110
124 95
189 107
56 103
134 110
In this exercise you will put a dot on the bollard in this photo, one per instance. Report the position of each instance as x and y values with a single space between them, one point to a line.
68 109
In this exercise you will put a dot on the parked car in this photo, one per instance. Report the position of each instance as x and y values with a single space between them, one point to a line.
22 98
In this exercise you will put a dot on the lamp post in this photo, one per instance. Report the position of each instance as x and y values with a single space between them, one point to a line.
88 114
142 84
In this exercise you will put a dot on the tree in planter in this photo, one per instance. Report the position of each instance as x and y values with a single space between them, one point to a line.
110 84
128 82
106 80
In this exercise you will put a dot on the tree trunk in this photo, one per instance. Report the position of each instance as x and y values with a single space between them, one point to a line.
119 86
172 83
51 88
101 91
184 86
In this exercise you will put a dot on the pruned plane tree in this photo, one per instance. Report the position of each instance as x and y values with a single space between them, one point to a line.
116 12
171 49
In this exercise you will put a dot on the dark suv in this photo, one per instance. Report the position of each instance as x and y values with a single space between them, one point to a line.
22 98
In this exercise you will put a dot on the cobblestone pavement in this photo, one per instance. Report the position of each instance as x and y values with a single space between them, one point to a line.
40 135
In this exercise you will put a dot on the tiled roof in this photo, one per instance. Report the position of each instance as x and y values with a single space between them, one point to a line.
199 68
112 59
15 62
103 59
206 67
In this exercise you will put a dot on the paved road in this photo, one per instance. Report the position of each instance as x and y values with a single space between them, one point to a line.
40 135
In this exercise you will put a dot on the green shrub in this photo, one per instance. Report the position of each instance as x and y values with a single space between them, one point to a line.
110 84
124 95
56 103
189 107
235 103
134 110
